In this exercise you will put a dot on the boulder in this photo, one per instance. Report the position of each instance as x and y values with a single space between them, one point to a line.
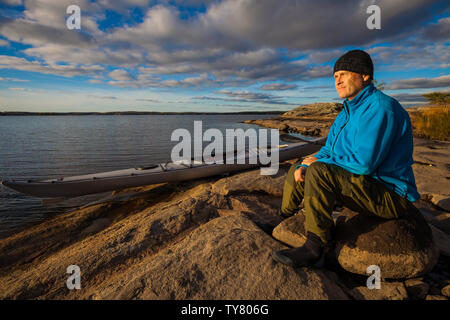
441 201
435 297
226 258
283 127
442 241
402 248
417 288
387 291
443 222
437 218
291 231
252 181
310 120
446 291
314 109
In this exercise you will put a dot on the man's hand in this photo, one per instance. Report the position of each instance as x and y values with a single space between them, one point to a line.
309 160
299 174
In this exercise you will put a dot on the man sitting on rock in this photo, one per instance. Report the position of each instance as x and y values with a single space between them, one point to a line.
365 164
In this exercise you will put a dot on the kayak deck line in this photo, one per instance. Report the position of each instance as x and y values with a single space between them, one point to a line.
163 166
74 186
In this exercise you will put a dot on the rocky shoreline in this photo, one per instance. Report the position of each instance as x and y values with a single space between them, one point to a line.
202 240
310 120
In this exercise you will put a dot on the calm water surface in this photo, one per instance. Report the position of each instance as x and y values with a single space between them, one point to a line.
38 147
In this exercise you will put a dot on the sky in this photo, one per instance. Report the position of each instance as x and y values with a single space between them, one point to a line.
212 56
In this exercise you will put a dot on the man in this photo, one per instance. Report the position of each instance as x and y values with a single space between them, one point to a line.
365 164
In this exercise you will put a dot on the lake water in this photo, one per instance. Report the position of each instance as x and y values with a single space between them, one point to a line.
39 147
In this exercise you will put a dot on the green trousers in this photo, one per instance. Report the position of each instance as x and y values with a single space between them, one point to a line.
325 184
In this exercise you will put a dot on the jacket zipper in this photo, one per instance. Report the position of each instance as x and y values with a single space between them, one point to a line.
340 130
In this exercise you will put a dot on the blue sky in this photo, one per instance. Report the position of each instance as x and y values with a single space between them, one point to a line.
217 56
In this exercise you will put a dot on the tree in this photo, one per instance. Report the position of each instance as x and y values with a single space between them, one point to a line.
379 85
437 97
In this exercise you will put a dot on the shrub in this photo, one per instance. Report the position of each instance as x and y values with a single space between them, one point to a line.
437 97
432 122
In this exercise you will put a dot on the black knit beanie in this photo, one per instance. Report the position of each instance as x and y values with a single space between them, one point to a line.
357 61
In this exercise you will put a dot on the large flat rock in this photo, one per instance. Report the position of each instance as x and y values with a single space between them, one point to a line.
227 258
431 171
142 231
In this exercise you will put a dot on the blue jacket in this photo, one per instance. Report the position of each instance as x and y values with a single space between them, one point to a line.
372 136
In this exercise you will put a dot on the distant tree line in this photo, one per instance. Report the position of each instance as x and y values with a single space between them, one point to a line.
119 113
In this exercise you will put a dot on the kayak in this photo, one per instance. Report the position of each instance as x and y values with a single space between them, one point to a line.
75 186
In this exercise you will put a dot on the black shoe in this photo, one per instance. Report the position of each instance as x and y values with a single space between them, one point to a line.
266 227
306 262
310 254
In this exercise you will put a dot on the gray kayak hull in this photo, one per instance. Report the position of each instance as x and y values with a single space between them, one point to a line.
134 177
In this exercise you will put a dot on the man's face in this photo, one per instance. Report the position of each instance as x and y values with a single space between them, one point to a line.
349 84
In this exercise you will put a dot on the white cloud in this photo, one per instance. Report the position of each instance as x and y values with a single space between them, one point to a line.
195 81
96 81
443 81
53 13
124 5
102 97
247 96
14 79
313 24
411 55
410 98
10 62
439 30
12 2
30 32
232 43
278 86
148 100
121 75
4 43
